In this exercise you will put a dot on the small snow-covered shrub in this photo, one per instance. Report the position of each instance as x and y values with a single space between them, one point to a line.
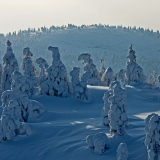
153 79
10 65
152 140
134 73
79 89
98 142
121 76
122 152
102 69
108 76
57 83
117 114
90 71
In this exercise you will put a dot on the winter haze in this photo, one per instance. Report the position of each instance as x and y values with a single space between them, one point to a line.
21 14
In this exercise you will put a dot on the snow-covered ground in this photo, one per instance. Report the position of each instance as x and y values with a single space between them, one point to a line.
60 134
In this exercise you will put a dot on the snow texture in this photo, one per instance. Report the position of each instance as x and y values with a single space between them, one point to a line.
117 114
108 76
134 73
122 152
90 74
57 83
98 142
30 72
152 140
79 89
10 65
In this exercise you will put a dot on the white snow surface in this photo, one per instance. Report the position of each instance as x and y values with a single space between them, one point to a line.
61 133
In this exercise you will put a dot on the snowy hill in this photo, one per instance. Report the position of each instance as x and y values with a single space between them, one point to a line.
102 42
61 132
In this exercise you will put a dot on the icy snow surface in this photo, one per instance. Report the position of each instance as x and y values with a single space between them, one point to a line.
61 133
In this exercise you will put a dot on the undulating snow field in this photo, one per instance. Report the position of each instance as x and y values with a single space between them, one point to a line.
60 133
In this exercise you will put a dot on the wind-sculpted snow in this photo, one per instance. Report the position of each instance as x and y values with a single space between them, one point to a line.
108 76
57 83
152 140
10 65
117 114
134 72
98 142
122 152
90 72
80 89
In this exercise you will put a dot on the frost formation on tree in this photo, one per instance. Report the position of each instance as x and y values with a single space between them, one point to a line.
122 152
153 79
90 72
117 114
98 142
106 108
134 73
1 70
30 72
102 69
15 102
121 76
108 76
10 65
152 140
57 83
79 89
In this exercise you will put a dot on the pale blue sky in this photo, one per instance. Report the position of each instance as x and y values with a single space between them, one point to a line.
23 14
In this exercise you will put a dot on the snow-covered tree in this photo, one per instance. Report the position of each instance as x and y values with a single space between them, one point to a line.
90 70
30 72
98 142
57 82
15 102
102 69
153 79
108 76
1 70
79 89
121 76
10 65
134 73
122 152
117 114
106 108
152 140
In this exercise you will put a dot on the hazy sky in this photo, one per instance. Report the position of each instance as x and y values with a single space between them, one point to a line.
23 14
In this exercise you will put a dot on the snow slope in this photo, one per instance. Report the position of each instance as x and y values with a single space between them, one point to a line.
60 133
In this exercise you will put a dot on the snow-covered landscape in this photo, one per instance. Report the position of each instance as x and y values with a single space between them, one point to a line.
73 93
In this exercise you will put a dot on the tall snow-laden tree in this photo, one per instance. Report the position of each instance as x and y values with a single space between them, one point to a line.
79 89
152 140
108 76
57 82
90 70
30 72
134 73
10 65
117 114
102 69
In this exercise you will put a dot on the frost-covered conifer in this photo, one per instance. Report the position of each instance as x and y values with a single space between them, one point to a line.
30 72
79 89
122 152
117 114
15 102
57 82
121 76
98 142
90 71
153 79
134 73
10 65
108 76
152 140
106 108
102 69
